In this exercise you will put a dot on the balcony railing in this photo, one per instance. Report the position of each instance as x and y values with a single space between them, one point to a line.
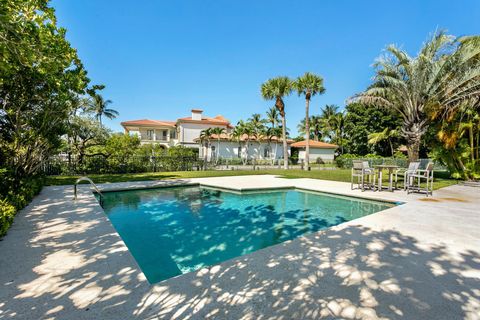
161 139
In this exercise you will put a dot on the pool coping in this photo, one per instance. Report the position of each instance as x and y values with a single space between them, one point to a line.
238 190
175 184
191 295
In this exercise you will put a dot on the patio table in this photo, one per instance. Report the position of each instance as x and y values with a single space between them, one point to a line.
390 169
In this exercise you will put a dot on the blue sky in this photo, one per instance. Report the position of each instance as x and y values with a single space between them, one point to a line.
159 59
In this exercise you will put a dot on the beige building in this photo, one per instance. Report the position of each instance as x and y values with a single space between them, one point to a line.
319 151
183 131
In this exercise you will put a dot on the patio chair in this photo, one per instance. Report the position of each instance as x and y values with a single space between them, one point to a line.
421 174
365 175
412 168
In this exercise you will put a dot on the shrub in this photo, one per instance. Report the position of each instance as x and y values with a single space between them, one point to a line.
17 198
7 212
400 155
345 160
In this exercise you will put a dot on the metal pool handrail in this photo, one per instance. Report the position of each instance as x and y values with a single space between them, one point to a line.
91 182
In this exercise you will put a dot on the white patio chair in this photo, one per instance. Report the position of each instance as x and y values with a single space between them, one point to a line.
421 174
365 175
412 168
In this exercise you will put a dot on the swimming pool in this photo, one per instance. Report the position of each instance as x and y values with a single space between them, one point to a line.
171 231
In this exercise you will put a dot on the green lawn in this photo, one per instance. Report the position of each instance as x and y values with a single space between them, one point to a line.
441 179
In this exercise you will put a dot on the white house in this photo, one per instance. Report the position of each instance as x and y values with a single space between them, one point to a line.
228 147
186 132
183 131
319 151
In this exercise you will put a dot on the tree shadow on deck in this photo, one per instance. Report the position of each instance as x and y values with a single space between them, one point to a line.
62 261
353 273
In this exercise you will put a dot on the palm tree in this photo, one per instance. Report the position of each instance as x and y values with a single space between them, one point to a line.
258 129
386 135
218 132
457 135
272 133
278 88
316 127
237 134
100 107
205 136
337 123
308 85
441 76
244 130
273 117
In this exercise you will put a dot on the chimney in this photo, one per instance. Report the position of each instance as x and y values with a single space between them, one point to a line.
197 114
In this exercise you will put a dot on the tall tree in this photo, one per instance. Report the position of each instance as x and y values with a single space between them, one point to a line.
273 117
257 125
273 134
276 89
436 77
40 74
385 135
237 134
243 132
317 127
308 85
100 107
218 131
205 137
361 121
338 127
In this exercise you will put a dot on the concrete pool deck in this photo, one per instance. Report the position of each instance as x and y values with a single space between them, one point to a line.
63 259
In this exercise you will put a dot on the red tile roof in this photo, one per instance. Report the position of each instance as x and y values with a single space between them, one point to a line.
314 144
147 122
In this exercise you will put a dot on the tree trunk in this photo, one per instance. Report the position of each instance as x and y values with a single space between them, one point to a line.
218 151
413 146
285 146
478 143
205 156
307 137
391 147
472 147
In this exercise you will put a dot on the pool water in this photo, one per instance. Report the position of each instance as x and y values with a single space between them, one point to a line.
171 231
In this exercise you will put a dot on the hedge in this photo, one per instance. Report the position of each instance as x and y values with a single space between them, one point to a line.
7 212
16 199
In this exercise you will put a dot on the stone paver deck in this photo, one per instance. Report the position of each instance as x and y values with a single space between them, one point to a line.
421 260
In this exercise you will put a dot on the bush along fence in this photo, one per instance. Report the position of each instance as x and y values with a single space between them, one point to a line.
347 162
15 196
98 164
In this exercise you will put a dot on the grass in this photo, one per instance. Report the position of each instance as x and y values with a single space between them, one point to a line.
441 179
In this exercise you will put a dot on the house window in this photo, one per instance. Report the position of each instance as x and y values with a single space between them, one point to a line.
173 134
239 152
266 152
213 154
164 135
150 134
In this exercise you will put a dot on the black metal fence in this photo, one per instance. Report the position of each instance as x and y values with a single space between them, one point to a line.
402 163
98 164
